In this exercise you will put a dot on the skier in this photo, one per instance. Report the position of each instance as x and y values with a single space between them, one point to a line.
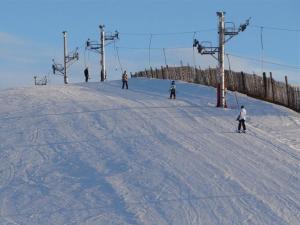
242 118
86 74
172 90
125 80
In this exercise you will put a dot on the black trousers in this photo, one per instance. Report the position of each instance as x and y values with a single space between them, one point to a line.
242 123
125 83
173 94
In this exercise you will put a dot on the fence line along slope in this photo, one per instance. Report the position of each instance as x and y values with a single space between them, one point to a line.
261 87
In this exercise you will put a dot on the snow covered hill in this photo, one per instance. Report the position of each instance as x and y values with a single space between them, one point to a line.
94 154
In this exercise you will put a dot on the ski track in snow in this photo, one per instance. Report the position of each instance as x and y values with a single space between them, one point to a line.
95 154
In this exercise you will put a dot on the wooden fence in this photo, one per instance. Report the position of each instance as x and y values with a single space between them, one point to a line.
262 87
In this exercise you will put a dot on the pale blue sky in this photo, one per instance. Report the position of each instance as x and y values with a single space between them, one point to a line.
31 35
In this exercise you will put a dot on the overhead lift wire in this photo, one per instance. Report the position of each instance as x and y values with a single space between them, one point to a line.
266 61
275 28
150 50
118 56
169 33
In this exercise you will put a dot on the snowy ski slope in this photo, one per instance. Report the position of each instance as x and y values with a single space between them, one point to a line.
94 154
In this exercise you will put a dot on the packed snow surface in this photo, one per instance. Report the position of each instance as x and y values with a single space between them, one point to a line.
94 154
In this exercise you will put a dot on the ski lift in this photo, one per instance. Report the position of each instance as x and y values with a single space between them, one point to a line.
230 29
195 43
198 45
42 81
206 47
243 26
87 43
73 55
56 67
116 34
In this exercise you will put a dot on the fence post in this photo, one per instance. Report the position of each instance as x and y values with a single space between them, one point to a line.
244 82
162 72
272 86
194 71
287 90
210 76
167 72
181 76
192 74
265 84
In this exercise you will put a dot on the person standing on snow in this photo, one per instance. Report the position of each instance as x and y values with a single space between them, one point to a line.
172 90
125 80
242 118
86 74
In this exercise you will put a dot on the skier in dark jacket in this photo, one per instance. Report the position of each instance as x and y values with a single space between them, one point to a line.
86 74
125 80
242 118
172 90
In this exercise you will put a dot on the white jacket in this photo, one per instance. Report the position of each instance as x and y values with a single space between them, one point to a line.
173 87
242 115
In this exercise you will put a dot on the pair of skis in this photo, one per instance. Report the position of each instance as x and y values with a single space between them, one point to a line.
241 131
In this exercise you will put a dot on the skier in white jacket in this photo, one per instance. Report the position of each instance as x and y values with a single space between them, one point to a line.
172 90
242 118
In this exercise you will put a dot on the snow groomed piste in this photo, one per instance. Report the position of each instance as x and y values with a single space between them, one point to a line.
96 154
